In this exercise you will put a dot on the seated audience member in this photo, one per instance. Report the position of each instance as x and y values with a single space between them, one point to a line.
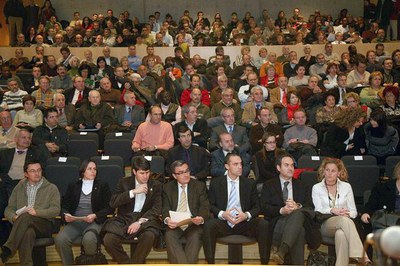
272 61
7 130
12 99
94 115
372 94
238 133
289 69
18 62
88 198
352 100
227 99
227 146
108 94
50 67
284 202
340 90
197 125
319 68
147 81
138 203
143 95
78 94
31 83
300 139
390 76
391 106
270 80
381 139
307 60
330 81
299 79
293 103
245 90
128 116
263 161
118 78
103 70
184 194
372 63
203 111
312 97
110 60
29 116
346 136
249 115
44 94
150 54
42 202
236 212
263 126
194 83
153 137
172 112
62 81
279 94
133 59
329 55
339 225
50 138
197 158
66 112
358 77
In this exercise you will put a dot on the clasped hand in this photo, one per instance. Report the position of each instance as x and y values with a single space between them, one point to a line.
234 216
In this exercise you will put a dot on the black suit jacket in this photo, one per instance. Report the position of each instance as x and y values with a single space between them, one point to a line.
200 126
382 194
218 196
271 200
100 199
218 162
196 195
125 216
7 156
335 92
199 160
69 95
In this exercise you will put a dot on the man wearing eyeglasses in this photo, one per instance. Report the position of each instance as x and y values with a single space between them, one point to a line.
186 195
31 208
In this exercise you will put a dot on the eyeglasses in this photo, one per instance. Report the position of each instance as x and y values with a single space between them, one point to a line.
270 142
182 172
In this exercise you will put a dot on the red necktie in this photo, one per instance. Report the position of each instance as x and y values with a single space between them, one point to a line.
284 100
80 97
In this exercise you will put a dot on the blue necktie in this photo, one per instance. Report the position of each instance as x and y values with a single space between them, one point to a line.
232 201
230 130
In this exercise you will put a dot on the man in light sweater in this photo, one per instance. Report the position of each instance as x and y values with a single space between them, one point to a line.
300 139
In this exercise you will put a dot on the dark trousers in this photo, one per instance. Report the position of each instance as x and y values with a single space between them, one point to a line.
23 234
113 245
290 231
192 239
215 228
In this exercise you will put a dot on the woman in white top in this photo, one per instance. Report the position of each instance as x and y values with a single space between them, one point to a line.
334 199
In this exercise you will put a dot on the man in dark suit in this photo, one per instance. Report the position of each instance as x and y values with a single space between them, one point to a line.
198 126
283 202
138 200
227 145
78 94
184 194
238 133
129 116
198 158
110 60
12 160
66 113
234 203
341 89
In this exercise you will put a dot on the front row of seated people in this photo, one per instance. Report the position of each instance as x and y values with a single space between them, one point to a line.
231 206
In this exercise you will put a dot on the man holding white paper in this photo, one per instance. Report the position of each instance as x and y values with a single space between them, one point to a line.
186 198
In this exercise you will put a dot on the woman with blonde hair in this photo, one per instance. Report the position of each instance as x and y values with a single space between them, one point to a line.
372 95
333 199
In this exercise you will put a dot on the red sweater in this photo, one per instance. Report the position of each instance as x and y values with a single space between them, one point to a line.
185 97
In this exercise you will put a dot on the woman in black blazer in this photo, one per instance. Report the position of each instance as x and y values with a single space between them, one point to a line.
84 207
346 136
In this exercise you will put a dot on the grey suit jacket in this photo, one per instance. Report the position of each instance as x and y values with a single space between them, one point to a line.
137 115
239 135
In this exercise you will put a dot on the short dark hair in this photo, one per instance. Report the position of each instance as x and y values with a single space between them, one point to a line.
181 130
230 155
29 162
65 49
177 163
49 110
281 155
140 163
28 98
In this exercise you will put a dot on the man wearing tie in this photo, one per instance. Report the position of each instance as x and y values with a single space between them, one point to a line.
78 94
138 200
234 203
283 202
129 116
238 133
188 195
